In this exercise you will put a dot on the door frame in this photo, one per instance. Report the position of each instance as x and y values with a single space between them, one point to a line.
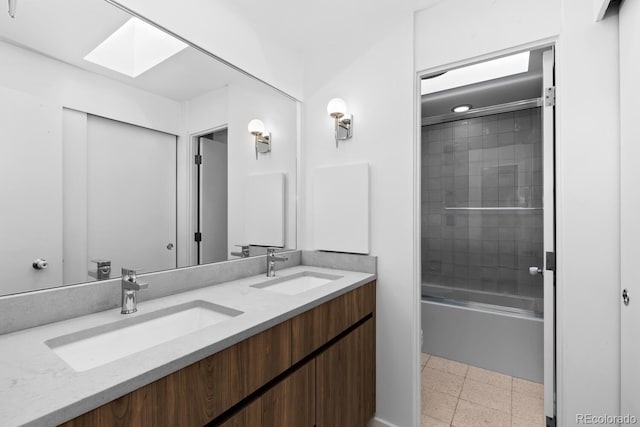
192 191
552 43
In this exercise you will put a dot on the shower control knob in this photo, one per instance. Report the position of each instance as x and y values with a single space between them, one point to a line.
534 271
40 264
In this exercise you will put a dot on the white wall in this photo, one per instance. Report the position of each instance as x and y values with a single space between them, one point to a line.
374 76
203 113
589 213
222 28
74 88
251 100
587 170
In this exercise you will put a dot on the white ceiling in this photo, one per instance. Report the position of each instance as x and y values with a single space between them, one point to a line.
69 29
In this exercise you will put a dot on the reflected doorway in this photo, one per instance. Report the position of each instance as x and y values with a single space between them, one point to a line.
212 199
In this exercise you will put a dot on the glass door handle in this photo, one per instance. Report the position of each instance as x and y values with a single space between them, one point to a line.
534 271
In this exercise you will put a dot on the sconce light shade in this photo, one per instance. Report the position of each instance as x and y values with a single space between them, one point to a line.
263 138
337 108
256 127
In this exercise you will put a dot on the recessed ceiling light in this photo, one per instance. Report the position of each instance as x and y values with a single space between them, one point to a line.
476 73
134 48
462 108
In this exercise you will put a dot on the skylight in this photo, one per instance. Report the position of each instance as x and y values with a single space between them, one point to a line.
489 70
134 48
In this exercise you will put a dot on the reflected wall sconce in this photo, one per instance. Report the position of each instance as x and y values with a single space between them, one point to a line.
337 109
12 8
263 137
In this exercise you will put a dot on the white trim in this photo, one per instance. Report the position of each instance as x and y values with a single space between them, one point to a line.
298 193
379 422
417 227
560 239
548 155
539 44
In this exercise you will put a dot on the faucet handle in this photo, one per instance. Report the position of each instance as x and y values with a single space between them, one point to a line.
131 272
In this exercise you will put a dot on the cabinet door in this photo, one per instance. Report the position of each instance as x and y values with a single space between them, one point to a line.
345 388
250 416
291 402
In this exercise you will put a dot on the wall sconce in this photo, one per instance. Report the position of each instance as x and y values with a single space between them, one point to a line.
263 138
337 109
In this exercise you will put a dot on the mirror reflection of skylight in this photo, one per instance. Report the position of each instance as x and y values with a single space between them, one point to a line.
476 73
134 48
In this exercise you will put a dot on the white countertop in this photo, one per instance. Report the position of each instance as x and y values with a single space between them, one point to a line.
37 388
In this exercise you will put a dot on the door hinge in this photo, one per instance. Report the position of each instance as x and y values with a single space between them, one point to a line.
198 237
198 159
550 262
551 422
550 96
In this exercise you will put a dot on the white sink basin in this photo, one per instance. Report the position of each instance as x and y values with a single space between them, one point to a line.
297 283
98 346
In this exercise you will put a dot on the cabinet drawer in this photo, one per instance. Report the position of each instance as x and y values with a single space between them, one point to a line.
314 328
197 394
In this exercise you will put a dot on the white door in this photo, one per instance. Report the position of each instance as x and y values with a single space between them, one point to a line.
548 203
30 191
131 196
630 206
213 198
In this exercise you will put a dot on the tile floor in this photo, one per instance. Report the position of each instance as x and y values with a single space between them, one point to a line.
460 395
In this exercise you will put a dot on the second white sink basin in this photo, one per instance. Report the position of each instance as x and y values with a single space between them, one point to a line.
297 283
98 346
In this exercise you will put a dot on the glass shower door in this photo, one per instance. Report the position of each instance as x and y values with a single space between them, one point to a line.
482 210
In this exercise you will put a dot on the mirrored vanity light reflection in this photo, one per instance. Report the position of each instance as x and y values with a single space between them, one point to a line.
262 136
337 109
147 167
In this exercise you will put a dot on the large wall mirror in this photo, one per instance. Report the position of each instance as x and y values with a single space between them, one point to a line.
123 146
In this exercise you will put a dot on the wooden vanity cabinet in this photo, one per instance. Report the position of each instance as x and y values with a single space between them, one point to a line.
317 369
199 393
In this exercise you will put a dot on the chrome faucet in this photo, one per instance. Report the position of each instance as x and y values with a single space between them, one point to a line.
130 286
245 251
271 261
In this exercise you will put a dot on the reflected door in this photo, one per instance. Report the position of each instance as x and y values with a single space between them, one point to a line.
131 196
31 185
213 197
630 206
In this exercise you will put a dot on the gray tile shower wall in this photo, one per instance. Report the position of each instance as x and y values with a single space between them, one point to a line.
487 162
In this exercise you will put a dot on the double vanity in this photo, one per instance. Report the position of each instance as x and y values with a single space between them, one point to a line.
296 349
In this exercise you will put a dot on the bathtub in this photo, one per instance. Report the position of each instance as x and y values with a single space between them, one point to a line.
506 340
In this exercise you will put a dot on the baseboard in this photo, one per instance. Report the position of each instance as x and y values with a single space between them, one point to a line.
379 422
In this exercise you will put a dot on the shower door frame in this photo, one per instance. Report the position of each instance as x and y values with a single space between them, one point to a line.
549 203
